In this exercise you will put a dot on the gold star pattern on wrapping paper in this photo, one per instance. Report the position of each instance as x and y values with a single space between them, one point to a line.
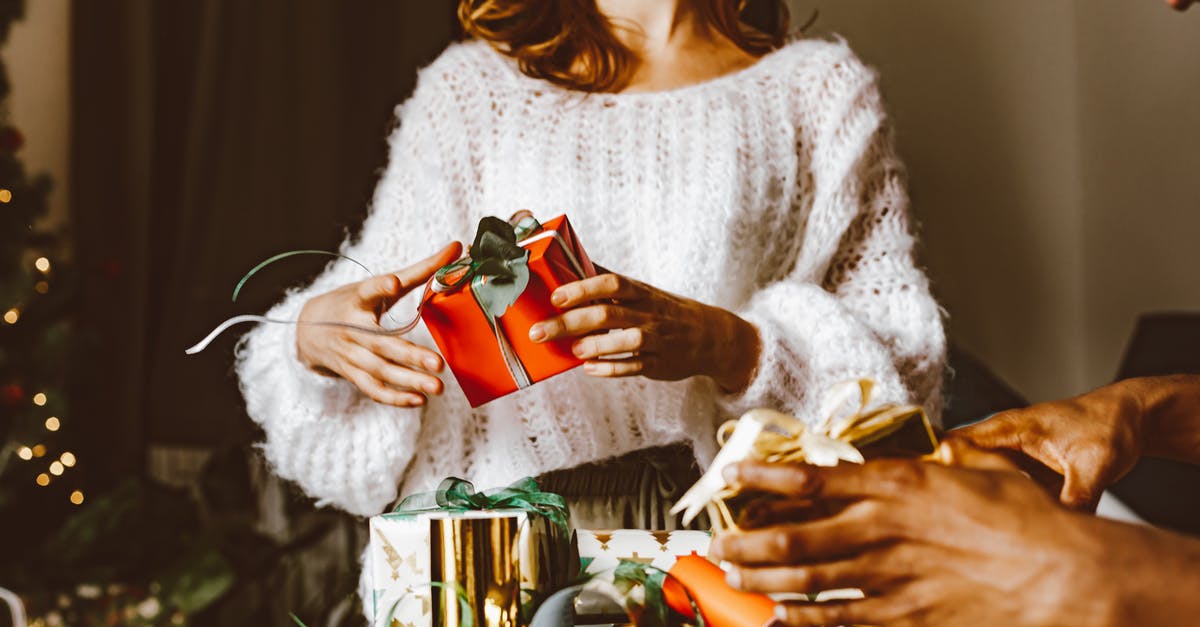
603 537
396 561
663 538
641 560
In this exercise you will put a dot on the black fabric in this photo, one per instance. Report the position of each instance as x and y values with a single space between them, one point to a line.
634 491
972 391
1165 493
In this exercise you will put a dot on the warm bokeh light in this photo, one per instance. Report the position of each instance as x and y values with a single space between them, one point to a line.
25 453
12 315
41 287
5 195
56 468
77 497
52 424
42 264
39 450
68 459
39 399
43 479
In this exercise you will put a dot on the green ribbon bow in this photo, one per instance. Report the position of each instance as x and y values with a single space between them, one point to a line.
497 267
459 495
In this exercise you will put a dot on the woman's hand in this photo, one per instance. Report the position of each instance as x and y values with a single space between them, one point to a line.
627 328
388 369
935 545
1090 441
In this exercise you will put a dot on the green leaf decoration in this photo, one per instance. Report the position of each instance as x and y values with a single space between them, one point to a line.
496 294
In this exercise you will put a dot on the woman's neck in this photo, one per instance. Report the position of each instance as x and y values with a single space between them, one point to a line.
674 45
646 26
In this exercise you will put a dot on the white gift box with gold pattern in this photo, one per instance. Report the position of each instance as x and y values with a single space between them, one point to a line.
656 548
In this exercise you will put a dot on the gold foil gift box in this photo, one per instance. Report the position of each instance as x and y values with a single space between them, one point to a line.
454 567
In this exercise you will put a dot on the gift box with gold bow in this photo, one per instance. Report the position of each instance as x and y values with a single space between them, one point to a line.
481 307
458 557
850 430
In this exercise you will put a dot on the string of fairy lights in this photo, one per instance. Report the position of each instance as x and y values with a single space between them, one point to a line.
38 452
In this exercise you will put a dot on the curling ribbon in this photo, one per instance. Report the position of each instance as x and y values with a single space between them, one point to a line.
495 267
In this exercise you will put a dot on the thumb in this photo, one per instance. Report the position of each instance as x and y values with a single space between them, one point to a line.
962 453
386 289
418 273
995 432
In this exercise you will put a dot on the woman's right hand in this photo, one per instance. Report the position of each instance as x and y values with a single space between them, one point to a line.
388 369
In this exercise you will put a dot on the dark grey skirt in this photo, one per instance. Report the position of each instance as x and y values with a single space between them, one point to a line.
634 491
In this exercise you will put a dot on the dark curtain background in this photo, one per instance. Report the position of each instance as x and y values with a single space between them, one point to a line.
211 135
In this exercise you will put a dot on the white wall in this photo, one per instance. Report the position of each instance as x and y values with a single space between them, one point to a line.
38 61
1140 71
1027 173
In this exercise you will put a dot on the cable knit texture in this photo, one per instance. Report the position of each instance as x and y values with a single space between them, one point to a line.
773 192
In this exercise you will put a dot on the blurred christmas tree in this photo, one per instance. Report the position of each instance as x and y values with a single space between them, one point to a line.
39 474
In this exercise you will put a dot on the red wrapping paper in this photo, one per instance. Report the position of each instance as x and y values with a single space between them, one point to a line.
466 340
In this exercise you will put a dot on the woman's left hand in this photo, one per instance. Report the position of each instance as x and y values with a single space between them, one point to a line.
627 328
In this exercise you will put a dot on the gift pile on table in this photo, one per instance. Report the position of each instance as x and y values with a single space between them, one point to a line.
455 557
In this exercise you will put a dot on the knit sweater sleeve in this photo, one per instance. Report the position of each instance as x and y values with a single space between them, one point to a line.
340 446
854 304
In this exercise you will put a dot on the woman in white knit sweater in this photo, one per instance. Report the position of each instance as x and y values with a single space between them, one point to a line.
743 192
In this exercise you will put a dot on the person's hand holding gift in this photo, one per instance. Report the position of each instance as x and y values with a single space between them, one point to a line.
627 328
939 545
387 368
1092 440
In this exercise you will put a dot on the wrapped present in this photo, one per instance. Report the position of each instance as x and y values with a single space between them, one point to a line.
601 551
848 432
481 307
456 556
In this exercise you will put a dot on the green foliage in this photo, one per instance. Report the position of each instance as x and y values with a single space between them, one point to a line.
197 580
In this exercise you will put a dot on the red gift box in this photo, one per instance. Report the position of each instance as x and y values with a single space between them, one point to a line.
491 356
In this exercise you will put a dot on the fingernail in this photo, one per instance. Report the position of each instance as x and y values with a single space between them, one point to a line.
781 612
730 473
579 351
590 368
558 299
537 333
734 579
432 363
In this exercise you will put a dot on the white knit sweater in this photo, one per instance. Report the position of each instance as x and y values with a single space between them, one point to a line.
773 192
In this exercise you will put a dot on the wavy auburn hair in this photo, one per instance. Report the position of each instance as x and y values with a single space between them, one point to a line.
572 44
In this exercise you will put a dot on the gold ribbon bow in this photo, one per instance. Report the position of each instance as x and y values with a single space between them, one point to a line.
771 436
